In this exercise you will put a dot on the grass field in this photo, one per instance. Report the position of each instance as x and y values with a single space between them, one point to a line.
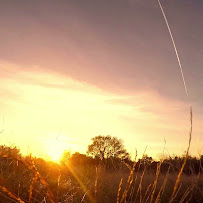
26 179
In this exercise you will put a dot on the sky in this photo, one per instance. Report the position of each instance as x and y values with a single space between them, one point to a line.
72 70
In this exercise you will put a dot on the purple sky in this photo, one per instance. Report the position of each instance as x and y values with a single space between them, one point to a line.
119 46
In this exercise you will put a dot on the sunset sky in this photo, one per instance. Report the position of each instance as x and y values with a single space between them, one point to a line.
74 69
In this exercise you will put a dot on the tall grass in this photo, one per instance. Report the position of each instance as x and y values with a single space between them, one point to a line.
155 193
21 183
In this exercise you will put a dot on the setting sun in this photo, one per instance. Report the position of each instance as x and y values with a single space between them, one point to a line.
55 149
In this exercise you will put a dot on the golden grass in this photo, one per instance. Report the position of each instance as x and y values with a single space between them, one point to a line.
151 194
185 159
119 189
31 166
162 187
34 180
114 186
10 194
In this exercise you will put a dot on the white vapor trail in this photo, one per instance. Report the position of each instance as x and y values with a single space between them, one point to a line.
174 45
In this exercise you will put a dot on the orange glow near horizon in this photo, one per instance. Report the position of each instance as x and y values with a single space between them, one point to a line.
54 150
38 104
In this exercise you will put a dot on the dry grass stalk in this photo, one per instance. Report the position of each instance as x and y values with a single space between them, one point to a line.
84 196
185 159
162 187
34 180
177 191
133 188
146 192
119 189
140 185
83 187
129 183
30 164
10 194
187 192
58 180
190 189
189 199
43 181
139 190
155 181
96 182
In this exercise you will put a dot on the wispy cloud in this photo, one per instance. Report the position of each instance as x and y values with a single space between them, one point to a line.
39 104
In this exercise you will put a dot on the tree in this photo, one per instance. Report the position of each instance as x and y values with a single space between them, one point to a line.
65 157
104 147
146 159
10 151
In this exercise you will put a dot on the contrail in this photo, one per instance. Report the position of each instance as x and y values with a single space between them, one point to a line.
174 45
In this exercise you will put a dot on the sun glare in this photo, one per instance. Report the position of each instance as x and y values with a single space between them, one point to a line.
55 150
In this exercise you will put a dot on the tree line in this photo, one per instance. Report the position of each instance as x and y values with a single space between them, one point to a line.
110 153
105 154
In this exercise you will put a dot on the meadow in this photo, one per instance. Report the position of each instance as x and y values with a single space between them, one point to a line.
80 178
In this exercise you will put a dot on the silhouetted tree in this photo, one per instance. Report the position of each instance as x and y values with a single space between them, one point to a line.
104 147
147 160
65 157
10 151
82 160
